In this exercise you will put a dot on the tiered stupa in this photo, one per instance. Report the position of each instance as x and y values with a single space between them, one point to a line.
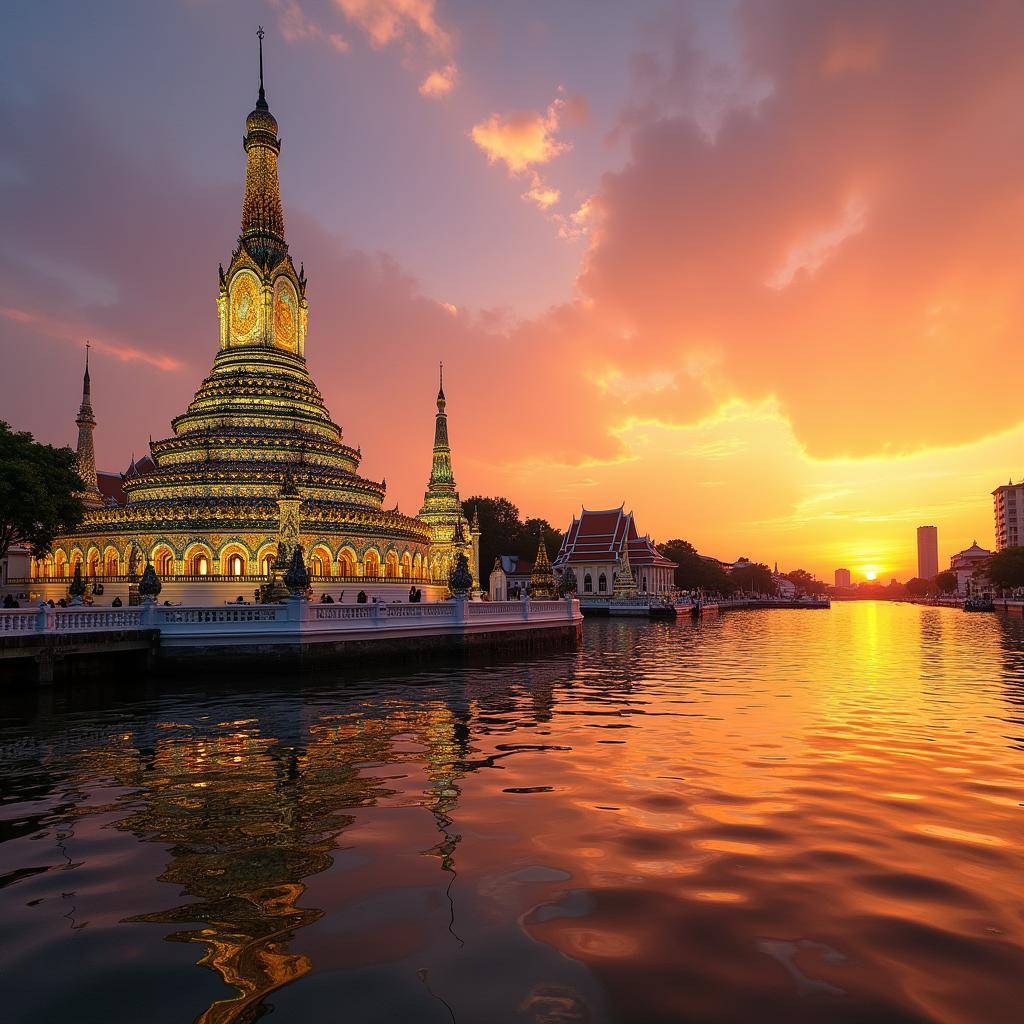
442 509
543 585
208 506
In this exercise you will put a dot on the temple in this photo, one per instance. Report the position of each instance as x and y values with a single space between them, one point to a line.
609 557
257 453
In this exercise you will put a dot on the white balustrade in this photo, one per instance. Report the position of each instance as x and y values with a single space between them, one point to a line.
340 612
17 620
68 620
289 621
241 613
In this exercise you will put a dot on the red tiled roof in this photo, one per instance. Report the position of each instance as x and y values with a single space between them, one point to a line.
597 536
139 466
110 485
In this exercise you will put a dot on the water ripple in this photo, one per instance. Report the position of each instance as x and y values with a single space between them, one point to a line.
771 816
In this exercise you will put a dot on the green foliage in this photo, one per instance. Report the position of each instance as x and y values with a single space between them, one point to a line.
918 587
1006 568
503 533
38 486
946 582
694 571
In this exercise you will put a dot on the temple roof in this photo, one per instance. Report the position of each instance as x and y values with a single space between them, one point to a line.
111 487
597 536
514 565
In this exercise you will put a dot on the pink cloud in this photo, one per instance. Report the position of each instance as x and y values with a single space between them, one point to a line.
295 25
385 21
53 327
439 83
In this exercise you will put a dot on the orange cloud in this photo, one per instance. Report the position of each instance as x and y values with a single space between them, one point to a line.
850 243
808 254
439 83
543 195
580 221
521 140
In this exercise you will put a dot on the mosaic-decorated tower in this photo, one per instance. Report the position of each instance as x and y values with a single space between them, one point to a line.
85 456
442 509
208 506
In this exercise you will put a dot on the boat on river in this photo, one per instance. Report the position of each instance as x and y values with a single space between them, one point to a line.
979 604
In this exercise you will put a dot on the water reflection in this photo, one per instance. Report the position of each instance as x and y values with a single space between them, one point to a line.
773 816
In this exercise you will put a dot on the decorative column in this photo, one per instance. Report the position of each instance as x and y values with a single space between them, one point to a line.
288 505
474 532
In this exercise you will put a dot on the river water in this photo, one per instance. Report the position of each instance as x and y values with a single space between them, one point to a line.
777 816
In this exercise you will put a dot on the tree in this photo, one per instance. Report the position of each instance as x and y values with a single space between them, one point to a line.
499 527
918 587
805 582
695 571
39 492
527 547
946 582
755 578
1006 568
503 533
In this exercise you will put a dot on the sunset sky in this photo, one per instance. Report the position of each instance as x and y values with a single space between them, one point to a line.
756 269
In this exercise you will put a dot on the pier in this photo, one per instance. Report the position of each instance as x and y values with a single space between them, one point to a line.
54 643
645 606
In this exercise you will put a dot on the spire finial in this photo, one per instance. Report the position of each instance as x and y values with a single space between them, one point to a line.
85 379
440 385
262 101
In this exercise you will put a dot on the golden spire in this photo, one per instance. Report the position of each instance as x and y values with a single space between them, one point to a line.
262 215
441 475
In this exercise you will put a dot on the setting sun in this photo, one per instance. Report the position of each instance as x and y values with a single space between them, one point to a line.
871 574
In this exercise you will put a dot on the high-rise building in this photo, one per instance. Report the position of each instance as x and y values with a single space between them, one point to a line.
842 578
927 552
1009 510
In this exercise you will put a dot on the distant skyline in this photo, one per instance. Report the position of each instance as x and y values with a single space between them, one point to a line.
927 552
754 268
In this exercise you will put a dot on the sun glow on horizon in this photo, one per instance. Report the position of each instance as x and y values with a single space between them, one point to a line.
871 573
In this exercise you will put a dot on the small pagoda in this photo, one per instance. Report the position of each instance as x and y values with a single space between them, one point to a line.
543 585
625 584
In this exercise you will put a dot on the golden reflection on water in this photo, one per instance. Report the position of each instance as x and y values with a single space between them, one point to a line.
774 816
